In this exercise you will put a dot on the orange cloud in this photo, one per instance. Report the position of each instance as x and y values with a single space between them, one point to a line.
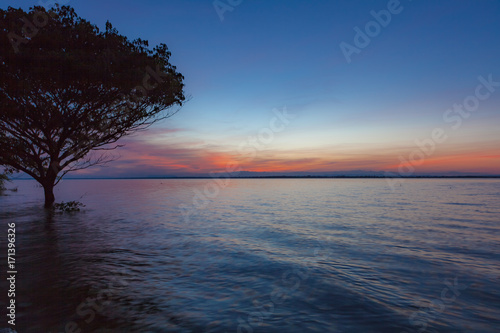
150 156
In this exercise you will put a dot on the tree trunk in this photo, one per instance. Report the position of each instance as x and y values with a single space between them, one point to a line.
48 182
49 195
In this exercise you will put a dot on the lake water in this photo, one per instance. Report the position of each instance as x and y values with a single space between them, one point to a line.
259 255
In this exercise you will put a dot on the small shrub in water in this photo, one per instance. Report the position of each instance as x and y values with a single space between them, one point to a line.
68 207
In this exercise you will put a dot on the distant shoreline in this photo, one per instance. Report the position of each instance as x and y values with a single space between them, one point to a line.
284 177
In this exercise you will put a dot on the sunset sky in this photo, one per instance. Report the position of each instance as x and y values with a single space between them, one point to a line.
364 111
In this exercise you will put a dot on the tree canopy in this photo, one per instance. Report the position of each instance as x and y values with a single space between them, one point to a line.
67 88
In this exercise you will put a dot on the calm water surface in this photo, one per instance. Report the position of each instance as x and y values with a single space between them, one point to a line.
263 255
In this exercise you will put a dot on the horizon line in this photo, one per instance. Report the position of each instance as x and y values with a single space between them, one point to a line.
278 177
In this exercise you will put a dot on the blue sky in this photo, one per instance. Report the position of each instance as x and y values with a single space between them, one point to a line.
268 55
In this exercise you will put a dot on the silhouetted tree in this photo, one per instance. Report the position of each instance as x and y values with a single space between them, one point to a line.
4 177
67 88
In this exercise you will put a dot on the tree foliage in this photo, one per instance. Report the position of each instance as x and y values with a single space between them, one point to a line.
68 88
3 178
